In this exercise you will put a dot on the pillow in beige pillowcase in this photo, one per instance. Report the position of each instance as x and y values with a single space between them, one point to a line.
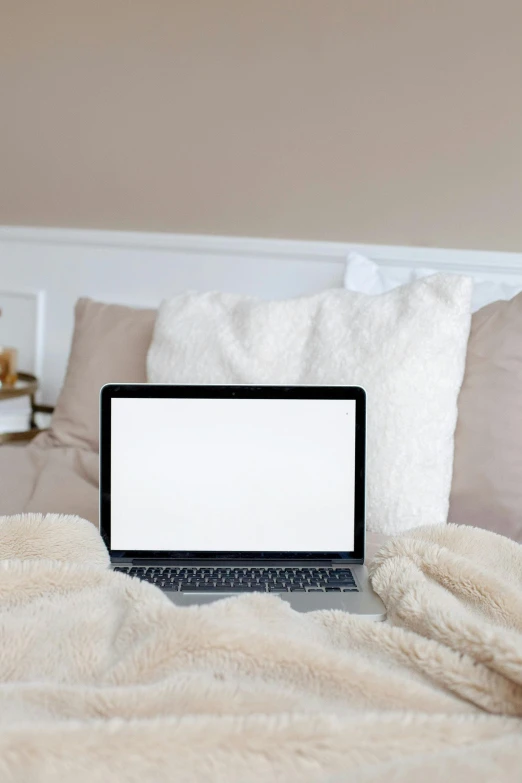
109 345
487 472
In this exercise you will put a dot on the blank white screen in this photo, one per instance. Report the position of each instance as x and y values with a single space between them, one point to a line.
232 475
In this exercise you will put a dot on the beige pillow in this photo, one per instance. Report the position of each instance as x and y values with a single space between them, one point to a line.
487 475
109 345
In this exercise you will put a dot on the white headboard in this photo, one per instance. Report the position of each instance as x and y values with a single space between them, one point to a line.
53 267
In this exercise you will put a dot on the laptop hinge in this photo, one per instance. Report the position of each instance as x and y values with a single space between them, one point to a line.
352 561
237 561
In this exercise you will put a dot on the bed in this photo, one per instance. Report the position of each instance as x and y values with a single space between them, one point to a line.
103 678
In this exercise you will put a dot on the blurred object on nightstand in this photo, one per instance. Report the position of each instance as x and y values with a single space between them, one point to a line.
8 366
18 410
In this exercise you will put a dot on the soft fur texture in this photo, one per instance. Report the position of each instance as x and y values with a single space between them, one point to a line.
486 490
103 679
406 347
59 537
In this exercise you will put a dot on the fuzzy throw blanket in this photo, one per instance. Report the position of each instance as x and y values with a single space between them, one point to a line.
103 679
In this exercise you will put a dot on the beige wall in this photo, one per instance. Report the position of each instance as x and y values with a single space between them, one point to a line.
364 120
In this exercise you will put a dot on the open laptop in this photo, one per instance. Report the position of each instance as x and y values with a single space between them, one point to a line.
213 491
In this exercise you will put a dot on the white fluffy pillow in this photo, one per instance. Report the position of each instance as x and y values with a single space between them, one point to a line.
406 347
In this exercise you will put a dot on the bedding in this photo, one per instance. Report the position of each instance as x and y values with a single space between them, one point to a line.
109 344
407 348
58 471
104 679
487 472
46 478
363 275
486 488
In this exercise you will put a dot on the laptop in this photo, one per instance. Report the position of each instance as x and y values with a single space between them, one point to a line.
209 492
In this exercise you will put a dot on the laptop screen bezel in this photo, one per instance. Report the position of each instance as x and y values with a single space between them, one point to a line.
173 391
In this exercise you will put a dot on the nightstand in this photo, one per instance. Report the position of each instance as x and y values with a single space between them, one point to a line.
25 386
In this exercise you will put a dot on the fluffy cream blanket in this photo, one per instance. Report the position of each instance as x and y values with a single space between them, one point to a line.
103 679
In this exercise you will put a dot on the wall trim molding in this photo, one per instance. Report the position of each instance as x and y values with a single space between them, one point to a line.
140 269
37 298
443 259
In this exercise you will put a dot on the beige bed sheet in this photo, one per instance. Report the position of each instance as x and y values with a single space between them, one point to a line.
49 479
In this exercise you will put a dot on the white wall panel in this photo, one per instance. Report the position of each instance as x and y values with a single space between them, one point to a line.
141 269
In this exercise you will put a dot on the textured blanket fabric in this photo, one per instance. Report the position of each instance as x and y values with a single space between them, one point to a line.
103 679
407 348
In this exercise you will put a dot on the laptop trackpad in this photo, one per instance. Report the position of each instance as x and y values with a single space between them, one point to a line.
313 602
191 599
301 602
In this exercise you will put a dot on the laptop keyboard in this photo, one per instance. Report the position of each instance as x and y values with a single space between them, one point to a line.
247 580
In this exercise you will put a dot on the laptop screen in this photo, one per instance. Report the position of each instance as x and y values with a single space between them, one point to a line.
231 475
